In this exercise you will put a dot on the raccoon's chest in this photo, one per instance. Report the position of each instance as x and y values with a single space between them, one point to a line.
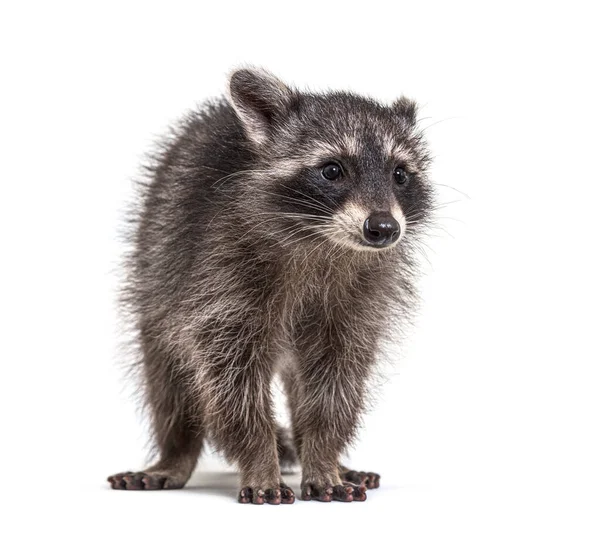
316 296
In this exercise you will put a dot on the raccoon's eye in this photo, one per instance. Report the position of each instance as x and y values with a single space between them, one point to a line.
331 171
400 175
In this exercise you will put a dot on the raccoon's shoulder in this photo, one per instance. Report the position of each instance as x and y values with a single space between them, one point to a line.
208 143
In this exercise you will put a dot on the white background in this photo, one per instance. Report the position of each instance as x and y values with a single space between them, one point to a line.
488 423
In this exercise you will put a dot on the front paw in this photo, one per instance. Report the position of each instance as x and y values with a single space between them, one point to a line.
324 492
271 496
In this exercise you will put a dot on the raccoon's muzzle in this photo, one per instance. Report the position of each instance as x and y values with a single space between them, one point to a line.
381 229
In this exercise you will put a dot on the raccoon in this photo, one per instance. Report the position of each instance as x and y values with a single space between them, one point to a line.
275 235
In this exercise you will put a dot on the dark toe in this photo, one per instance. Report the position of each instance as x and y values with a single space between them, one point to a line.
343 493
306 493
287 494
258 497
324 494
359 492
133 481
372 480
154 482
273 496
315 492
117 481
245 495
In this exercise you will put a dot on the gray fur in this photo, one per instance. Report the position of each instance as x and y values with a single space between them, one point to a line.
238 261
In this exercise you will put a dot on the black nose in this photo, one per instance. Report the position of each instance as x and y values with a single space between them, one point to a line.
381 229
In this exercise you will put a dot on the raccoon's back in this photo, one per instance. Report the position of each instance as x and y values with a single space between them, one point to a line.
190 180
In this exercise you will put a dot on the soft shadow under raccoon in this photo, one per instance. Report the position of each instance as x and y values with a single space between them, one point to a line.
275 224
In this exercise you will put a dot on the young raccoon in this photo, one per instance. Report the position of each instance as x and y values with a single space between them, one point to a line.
275 236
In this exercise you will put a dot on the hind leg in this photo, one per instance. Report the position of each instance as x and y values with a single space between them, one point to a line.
172 470
177 427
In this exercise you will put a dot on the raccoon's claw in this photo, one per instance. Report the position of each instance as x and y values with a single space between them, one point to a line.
142 481
346 492
311 491
287 494
272 496
250 495
359 492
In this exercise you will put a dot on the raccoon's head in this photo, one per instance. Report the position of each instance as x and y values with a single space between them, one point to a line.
333 166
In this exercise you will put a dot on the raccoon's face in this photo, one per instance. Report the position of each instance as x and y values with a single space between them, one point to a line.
335 166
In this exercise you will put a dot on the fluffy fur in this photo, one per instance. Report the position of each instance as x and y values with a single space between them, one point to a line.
246 263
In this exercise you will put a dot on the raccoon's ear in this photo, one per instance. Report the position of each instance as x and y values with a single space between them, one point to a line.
406 108
261 101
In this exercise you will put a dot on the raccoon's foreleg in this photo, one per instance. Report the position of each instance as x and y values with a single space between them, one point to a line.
289 443
328 402
241 420
288 458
